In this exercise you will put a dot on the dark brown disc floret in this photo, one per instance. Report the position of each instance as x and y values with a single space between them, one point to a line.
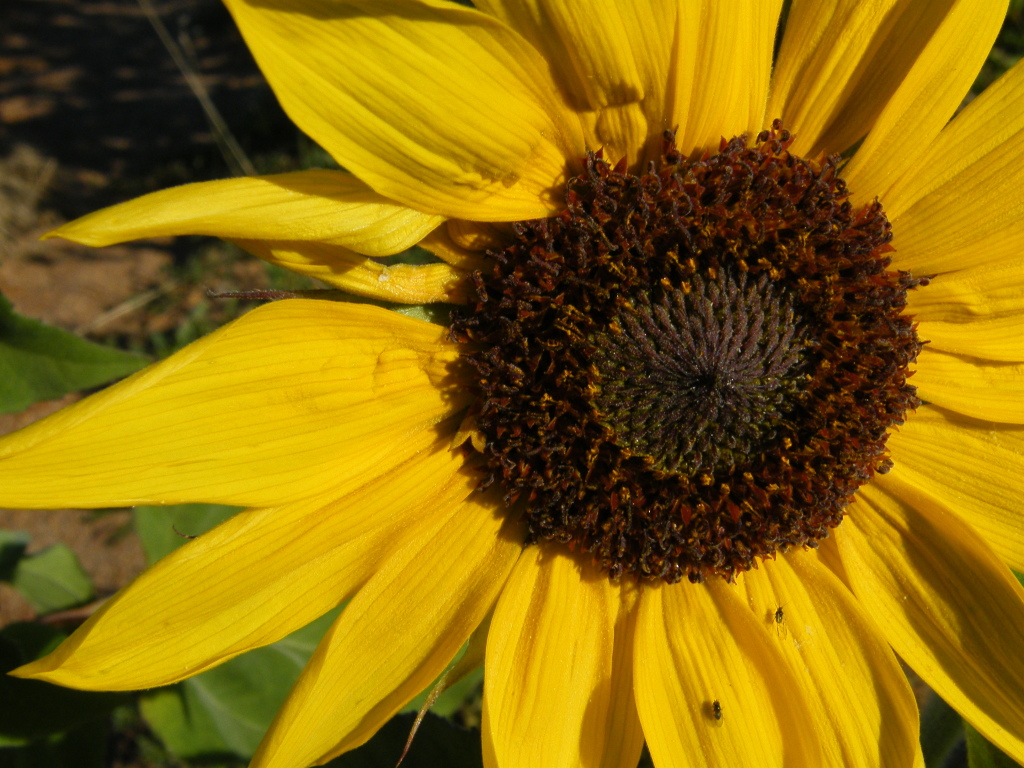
694 367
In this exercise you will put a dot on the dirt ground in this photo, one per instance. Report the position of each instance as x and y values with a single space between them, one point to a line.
94 110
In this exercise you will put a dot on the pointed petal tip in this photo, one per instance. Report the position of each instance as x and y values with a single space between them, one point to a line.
26 671
85 230
74 232
46 669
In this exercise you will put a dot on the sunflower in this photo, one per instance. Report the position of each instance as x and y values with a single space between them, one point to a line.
727 414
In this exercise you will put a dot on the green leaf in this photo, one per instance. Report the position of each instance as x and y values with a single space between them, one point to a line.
982 754
226 710
31 709
438 314
437 742
941 730
30 640
39 362
52 580
185 730
12 549
164 529
84 746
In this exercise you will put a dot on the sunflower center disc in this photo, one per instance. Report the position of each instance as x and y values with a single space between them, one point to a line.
694 367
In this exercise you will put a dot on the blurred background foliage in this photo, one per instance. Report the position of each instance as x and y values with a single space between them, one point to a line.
76 135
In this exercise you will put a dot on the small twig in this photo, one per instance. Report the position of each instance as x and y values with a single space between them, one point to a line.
432 697
253 295
270 294
72 617
229 147
183 535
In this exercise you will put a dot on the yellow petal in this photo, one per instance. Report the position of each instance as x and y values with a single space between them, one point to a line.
962 204
610 59
438 107
979 249
926 99
620 732
989 391
397 634
896 33
723 67
325 206
827 554
947 605
624 133
697 644
828 46
862 706
559 667
441 244
977 311
992 337
479 236
344 269
976 151
293 400
251 581
473 657
974 468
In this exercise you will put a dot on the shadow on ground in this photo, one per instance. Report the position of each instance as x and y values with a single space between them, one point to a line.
89 84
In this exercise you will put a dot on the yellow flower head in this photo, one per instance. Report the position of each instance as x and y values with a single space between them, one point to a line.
728 413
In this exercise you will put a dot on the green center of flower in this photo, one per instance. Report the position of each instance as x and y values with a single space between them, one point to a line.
702 378
694 367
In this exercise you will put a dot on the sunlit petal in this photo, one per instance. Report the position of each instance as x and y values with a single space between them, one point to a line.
975 311
944 601
324 206
723 68
611 60
295 399
861 704
827 48
441 243
927 97
700 644
397 634
362 276
438 107
276 570
961 203
978 388
559 667
975 468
